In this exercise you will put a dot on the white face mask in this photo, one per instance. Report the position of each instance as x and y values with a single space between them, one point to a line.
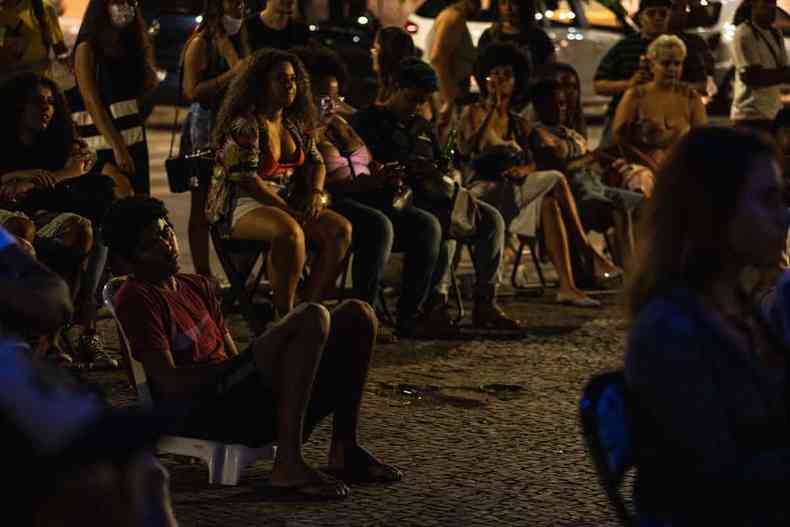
122 15
231 25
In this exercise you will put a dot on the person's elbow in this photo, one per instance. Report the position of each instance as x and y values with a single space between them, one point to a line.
601 87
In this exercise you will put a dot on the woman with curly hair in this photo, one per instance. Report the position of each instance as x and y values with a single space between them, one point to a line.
269 162
212 58
51 192
114 67
498 140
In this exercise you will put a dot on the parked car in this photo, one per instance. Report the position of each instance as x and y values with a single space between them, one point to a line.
584 30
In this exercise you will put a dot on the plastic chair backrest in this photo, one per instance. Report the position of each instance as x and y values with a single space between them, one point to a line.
134 367
608 433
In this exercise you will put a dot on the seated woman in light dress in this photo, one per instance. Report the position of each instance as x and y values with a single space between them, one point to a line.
498 140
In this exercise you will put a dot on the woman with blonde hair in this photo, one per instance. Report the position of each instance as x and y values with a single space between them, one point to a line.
651 117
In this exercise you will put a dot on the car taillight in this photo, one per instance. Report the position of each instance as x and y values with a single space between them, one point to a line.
411 27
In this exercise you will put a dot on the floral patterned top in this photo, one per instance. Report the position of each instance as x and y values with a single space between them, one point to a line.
240 157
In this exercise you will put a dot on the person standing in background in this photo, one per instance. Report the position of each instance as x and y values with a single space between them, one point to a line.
114 67
276 27
452 54
761 66
30 37
212 59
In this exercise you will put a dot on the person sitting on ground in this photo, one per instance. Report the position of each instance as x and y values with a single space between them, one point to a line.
600 206
516 25
307 365
268 157
49 175
705 369
505 175
348 160
69 448
211 59
653 116
395 133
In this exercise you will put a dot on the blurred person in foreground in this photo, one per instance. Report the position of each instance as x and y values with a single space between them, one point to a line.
70 452
706 369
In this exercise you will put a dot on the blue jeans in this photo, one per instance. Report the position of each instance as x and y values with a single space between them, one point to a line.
418 234
371 244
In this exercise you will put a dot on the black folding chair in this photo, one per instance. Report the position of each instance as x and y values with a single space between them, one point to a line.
227 249
536 290
608 433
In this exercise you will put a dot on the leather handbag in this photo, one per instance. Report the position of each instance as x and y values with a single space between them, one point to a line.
189 172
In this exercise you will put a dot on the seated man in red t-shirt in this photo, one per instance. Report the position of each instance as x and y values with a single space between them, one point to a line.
306 366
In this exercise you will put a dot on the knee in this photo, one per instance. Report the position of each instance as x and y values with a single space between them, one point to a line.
384 233
339 233
315 320
79 234
360 313
561 186
21 227
431 230
291 237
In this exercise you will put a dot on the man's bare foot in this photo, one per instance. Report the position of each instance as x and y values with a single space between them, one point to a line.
304 481
354 464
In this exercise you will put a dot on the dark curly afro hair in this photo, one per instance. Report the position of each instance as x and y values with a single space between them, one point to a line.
322 62
126 220
502 54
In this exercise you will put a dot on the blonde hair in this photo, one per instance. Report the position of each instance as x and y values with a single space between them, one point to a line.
664 43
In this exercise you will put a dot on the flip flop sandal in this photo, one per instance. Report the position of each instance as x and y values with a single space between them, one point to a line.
312 491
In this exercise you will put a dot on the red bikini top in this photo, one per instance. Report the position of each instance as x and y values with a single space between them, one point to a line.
271 168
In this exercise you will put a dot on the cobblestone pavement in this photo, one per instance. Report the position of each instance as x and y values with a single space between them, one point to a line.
485 431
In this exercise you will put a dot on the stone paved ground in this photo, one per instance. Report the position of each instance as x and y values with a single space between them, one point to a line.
473 453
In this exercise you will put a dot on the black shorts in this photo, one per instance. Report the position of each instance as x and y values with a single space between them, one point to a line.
241 406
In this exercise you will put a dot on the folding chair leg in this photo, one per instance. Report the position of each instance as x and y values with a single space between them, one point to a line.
459 303
522 289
